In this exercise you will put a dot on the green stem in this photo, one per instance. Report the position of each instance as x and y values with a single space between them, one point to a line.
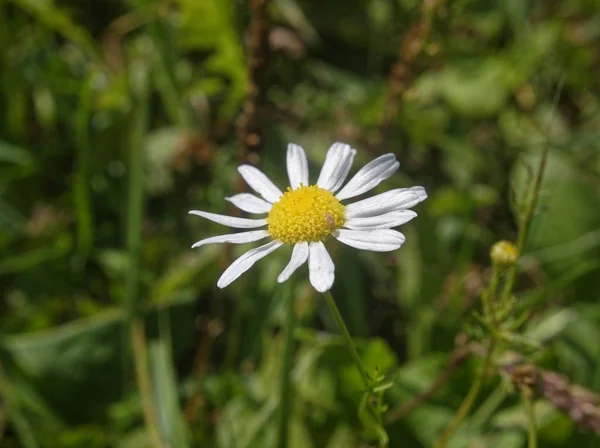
532 426
467 403
525 222
135 211
374 412
144 382
286 371
81 193
347 338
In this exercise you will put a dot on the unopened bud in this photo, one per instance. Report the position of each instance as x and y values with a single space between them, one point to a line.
504 253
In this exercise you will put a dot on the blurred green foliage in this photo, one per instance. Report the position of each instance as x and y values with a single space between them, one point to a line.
105 102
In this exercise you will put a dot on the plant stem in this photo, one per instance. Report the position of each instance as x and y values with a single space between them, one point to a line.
347 338
491 293
532 427
81 193
144 383
286 371
525 221
135 210
375 413
467 403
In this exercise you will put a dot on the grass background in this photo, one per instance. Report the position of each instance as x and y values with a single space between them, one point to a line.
119 116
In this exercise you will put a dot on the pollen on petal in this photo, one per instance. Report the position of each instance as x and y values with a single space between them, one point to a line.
308 213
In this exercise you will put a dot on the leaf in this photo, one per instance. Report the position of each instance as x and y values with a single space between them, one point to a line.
480 87
551 324
34 421
566 212
84 358
476 89
11 220
516 416
208 25
343 437
241 423
376 355
578 352
10 153
191 272
315 383
59 21
172 425
35 257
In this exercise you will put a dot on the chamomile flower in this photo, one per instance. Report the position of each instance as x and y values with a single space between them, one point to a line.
305 215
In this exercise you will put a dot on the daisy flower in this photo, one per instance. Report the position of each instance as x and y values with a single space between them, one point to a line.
305 215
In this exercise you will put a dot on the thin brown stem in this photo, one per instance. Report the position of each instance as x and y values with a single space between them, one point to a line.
249 123
412 46
212 329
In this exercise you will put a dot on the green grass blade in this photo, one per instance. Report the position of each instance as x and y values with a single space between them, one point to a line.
81 193
171 423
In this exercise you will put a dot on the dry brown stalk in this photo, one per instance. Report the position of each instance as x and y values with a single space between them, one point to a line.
580 404
249 123
412 46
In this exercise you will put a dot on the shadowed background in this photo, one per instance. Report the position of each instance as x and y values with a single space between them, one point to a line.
119 116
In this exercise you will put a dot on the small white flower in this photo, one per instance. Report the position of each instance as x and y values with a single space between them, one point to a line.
306 214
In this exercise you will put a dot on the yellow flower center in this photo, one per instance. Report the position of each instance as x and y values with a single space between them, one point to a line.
305 214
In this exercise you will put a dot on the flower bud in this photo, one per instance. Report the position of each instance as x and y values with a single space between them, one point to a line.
504 253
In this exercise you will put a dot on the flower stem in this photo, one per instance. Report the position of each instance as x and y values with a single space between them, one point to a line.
375 414
347 338
285 387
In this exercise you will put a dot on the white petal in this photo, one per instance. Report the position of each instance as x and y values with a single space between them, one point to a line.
299 257
235 238
320 267
260 183
375 240
231 221
386 221
245 262
393 200
336 167
369 176
250 203
297 166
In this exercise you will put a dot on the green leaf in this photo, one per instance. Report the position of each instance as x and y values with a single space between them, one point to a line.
35 257
10 153
208 25
84 358
59 21
551 324
567 212
166 398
